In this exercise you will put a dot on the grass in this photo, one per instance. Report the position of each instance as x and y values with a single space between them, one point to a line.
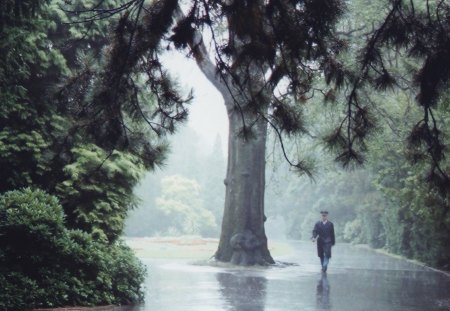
187 247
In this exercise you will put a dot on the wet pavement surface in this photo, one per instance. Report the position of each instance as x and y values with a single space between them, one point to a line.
357 279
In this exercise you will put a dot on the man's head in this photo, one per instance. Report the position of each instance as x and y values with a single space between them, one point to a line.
324 215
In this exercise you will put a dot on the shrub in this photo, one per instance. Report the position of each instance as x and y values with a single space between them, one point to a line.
43 264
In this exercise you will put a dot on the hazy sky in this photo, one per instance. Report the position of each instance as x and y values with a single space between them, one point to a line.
207 114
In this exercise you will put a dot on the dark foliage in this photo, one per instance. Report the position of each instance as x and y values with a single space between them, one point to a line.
292 41
43 264
100 110
424 36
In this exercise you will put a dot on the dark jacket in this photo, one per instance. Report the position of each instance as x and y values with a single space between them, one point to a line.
325 232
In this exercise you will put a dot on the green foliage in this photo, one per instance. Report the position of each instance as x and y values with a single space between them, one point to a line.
342 194
182 208
109 181
27 122
415 220
14 144
415 224
367 227
353 231
185 158
41 142
386 204
407 48
43 264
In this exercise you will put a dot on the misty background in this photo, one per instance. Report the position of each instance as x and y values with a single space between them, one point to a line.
385 203
186 195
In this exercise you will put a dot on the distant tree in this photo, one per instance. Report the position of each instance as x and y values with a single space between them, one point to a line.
211 181
187 154
182 209
144 220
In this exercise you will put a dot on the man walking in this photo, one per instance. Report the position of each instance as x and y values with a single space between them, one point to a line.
323 233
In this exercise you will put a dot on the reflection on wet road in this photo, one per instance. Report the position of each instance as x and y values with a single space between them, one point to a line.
358 279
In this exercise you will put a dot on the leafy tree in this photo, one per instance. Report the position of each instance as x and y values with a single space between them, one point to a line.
187 154
26 121
414 220
108 180
44 144
182 208
48 137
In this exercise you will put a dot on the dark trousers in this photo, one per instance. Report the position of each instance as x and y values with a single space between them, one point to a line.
324 253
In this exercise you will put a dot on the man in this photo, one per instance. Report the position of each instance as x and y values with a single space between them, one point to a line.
323 233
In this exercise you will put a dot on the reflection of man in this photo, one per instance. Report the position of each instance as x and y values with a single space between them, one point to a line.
323 232
323 293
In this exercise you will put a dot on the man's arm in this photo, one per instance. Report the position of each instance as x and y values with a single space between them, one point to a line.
332 234
315 232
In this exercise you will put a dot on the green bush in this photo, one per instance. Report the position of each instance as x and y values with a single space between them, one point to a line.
43 264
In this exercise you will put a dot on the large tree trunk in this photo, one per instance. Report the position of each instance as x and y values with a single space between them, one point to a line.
243 240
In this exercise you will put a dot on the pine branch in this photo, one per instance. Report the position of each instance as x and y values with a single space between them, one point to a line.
301 166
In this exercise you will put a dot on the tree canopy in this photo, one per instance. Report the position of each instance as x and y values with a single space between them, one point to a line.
288 42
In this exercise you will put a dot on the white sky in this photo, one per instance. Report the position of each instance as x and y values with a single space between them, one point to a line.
207 114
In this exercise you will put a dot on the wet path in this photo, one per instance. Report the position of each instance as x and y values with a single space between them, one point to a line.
358 279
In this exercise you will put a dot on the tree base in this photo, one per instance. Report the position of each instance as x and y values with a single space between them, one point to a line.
246 249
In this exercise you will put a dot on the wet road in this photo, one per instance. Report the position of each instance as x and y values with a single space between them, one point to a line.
358 279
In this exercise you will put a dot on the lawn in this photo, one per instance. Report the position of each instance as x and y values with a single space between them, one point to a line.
187 247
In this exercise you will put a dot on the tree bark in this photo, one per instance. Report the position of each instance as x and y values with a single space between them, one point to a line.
243 240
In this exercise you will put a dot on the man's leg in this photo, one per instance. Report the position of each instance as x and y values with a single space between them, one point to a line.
326 259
